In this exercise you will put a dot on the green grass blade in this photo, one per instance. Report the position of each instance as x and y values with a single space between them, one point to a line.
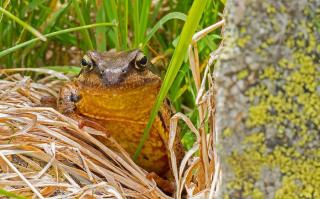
188 30
101 32
156 10
84 32
144 19
23 24
4 4
110 8
55 17
136 22
72 70
14 48
172 15
10 194
123 23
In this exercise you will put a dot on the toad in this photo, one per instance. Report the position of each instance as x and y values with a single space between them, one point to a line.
117 90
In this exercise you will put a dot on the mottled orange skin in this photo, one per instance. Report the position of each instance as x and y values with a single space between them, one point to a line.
123 107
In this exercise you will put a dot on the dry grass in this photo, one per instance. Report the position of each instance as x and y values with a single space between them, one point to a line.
44 154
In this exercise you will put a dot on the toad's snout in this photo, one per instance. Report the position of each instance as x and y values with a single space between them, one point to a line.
114 76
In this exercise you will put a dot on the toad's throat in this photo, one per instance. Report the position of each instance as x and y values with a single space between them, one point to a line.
133 104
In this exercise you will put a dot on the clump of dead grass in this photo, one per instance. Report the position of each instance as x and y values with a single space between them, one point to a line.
45 154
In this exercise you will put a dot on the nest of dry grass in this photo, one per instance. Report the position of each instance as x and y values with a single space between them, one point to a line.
45 154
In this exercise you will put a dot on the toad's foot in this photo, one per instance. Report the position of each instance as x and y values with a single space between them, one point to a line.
165 185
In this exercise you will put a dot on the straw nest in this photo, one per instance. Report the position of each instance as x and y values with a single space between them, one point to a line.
45 154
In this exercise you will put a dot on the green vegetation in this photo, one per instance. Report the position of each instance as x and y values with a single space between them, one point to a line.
10 194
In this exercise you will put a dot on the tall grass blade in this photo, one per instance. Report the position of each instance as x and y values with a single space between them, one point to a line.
111 11
101 32
136 22
163 20
23 24
14 48
144 16
10 194
84 32
123 23
4 4
55 16
188 30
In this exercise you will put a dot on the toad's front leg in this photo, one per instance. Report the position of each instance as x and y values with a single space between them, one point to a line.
68 98
67 104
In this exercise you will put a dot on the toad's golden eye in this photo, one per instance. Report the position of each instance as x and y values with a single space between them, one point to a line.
141 61
86 62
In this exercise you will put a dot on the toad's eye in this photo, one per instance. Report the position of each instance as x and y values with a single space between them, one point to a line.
86 62
141 61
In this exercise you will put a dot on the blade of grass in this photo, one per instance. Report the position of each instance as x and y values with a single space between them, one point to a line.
172 15
10 194
12 49
72 70
4 4
101 31
23 24
144 19
84 32
188 30
123 23
110 8
135 8
155 11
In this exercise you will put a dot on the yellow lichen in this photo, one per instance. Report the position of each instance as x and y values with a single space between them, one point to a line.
288 105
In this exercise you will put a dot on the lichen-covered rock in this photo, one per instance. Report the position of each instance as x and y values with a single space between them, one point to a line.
268 99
